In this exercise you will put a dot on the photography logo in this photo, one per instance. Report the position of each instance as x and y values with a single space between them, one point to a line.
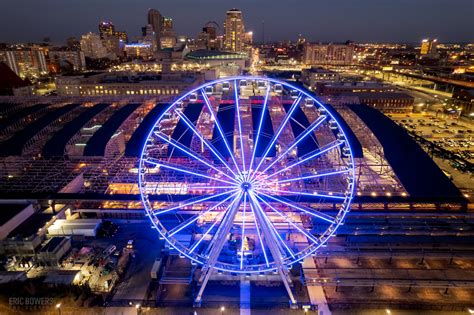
30 301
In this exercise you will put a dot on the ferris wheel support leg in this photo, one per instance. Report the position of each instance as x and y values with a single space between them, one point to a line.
216 246
272 241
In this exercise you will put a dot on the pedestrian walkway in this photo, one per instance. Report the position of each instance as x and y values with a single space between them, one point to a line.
244 297
316 293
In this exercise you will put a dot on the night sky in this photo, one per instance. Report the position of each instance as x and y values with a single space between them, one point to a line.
317 20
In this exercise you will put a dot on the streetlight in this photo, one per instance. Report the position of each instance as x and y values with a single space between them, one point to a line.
137 306
58 307
388 311
222 310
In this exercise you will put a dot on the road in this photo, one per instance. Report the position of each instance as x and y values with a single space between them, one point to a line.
147 247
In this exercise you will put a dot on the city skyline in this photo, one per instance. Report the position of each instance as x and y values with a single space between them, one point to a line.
447 21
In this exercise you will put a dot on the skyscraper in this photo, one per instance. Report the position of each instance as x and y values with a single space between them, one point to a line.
149 37
234 31
156 21
429 48
92 46
168 38
106 29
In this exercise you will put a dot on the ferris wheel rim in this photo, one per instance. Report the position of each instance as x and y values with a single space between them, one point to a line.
223 266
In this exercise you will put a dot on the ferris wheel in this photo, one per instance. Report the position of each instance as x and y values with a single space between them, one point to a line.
246 175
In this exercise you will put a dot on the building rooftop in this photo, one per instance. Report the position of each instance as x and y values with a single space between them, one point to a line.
214 54
357 84
31 225
15 145
418 173
318 70
18 115
8 211
135 144
97 143
52 244
9 80
378 95
57 144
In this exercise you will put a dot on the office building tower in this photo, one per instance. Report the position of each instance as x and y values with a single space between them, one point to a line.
149 37
26 62
92 46
155 19
60 56
234 31
106 29
168 37
122 35
328 54
428 48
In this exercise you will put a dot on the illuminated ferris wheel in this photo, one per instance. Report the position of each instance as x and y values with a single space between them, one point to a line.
243 174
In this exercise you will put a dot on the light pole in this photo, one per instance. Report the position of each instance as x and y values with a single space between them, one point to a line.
222 310
58 307
137 306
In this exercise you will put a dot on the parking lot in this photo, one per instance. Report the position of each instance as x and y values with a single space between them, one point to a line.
451 134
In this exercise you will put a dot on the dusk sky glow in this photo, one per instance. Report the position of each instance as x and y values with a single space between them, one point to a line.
317 20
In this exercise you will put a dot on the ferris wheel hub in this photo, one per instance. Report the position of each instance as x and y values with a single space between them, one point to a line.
246 186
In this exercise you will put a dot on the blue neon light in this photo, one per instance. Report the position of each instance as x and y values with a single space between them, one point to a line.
266 267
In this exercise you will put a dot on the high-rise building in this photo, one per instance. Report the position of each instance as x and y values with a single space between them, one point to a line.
149 37
26 62
156 21
207 39
429 48
167 38
122 35
106 29
234 31
328 54
114 45
75 58
92 46
9 58
73 43
167 24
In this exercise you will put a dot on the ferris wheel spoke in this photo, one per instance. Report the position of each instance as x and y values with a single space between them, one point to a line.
262 115
219 128
290 221
259 235
189 153
193 202
279 131
301 137
302 193
242 238
318 152
313 176
204 235
275 231
239 122
309 211
196 217
205 141
217 243
182 170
